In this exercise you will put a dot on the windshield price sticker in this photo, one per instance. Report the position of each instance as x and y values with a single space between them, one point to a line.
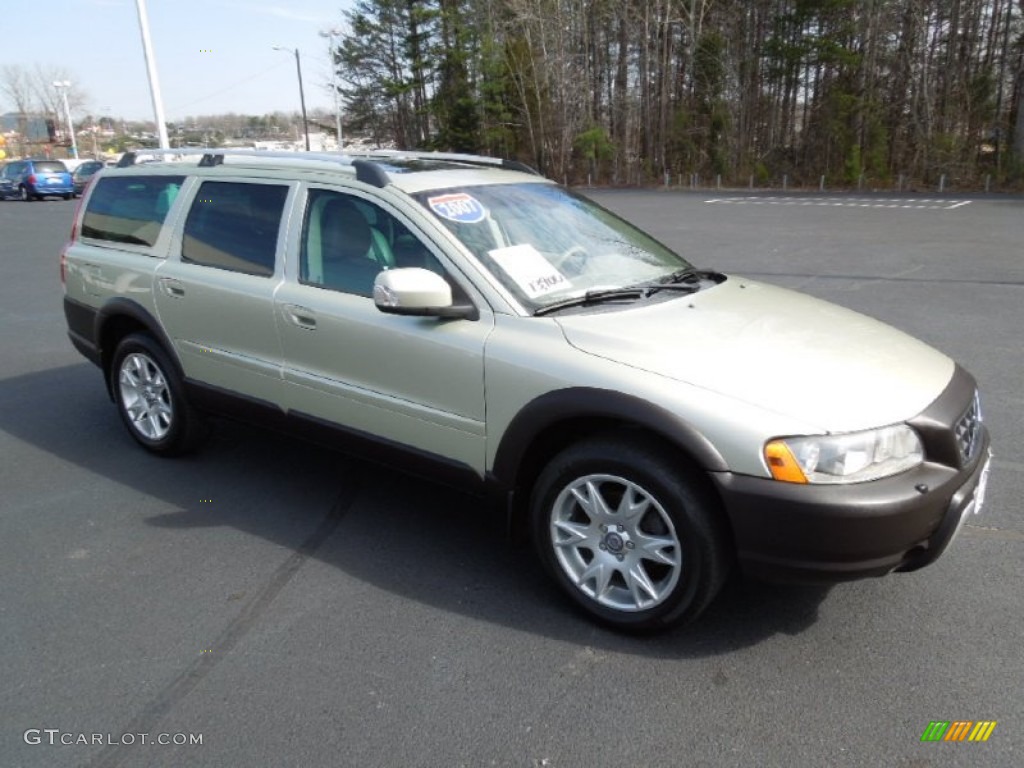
460 207
534 274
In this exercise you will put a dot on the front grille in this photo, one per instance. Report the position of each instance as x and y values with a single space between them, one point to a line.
968 431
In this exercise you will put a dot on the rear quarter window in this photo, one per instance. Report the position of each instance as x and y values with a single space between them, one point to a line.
130 209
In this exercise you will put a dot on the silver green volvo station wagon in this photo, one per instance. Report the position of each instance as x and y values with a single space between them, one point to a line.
649 424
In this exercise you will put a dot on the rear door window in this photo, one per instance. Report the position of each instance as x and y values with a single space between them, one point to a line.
234 225
130 209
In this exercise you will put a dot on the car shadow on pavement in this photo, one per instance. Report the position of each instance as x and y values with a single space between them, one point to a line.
401 534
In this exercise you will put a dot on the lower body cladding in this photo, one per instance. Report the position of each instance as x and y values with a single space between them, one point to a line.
828 533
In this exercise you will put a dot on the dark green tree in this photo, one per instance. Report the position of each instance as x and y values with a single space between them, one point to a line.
456 103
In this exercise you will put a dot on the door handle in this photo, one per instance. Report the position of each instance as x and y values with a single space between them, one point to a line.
303 317
172 287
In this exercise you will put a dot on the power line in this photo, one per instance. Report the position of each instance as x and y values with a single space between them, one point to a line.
228 87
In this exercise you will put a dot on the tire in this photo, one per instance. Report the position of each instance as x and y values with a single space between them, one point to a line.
67 197
151 400
630 536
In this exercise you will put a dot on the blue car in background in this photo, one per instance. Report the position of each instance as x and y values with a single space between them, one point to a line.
36 179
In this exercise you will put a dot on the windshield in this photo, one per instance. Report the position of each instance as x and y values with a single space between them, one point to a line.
546 244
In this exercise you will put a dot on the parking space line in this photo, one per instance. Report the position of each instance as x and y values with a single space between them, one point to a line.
923 204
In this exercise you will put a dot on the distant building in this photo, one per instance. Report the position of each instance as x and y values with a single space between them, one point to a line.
32 129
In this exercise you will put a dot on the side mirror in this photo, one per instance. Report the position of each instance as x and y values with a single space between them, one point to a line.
417 291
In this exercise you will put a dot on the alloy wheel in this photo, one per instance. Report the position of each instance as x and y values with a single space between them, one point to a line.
615 542
145 396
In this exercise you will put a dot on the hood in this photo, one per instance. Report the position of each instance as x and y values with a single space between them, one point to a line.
773 348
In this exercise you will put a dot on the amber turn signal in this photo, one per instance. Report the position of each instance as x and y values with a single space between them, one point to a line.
782 463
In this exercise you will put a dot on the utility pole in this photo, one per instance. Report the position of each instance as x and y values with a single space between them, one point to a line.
154 81
330 34
302 93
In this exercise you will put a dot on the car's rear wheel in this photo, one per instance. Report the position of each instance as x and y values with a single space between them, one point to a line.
66 197
151 399
629 534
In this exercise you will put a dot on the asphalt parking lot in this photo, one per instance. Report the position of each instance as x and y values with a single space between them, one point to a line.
294 607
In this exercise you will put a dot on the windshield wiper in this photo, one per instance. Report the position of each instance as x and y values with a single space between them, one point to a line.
687 280
690 275
595 297
684 280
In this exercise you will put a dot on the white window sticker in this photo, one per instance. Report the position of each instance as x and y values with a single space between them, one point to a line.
459 207
530 270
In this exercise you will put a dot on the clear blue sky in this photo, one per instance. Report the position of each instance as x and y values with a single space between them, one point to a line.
99 44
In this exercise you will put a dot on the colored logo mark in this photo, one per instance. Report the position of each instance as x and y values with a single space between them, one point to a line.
458 207
958 730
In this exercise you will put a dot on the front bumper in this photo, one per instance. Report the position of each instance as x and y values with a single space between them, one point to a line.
814 533
828 533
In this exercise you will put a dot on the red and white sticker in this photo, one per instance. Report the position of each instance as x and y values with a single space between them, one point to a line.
458 206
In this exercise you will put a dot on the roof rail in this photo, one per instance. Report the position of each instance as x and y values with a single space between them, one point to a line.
370 173
132 157
366 169
455 157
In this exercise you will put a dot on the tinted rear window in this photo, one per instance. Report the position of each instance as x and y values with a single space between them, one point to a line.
130 209
50 166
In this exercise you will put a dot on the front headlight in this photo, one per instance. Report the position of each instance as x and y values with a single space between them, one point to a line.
855 457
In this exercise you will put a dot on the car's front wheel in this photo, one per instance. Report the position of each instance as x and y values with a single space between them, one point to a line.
630 535
151 400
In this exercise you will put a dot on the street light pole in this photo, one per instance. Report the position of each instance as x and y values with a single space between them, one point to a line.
62 88
302 93
154 81
330 34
